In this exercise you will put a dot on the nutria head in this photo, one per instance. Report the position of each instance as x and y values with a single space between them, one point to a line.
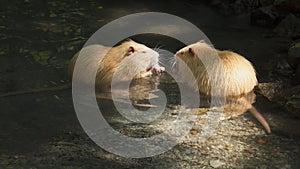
130 60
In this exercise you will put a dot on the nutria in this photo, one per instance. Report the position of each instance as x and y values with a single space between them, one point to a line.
131 59
137 58
232 74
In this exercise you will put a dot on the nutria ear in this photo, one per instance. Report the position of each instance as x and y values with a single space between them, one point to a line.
202 41
191 51
130 51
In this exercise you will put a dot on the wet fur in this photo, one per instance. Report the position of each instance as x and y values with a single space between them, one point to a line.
107 65
232 74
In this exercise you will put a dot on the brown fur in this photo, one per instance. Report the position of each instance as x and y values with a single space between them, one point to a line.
232 75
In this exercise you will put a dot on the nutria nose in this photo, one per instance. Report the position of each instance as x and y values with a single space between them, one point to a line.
148 69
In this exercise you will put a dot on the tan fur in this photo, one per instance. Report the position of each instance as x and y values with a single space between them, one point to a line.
104 61
232 75
94 58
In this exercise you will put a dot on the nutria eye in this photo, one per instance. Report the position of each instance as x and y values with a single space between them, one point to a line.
143 51
181 53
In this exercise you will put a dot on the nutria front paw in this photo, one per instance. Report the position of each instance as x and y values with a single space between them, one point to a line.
157 69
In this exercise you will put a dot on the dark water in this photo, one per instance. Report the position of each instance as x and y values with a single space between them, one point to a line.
39 37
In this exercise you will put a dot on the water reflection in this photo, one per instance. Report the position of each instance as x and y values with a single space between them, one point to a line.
141 92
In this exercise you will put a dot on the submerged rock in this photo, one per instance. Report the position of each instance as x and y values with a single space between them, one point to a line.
293 104
294 61
287 97
269 90
294 56
266 2
264 16
289 26
296 79
287 6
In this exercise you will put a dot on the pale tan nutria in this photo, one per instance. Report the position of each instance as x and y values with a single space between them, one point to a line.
232 75
130 57
129 60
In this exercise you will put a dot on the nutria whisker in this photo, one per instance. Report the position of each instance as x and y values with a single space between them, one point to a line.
172 60
173 65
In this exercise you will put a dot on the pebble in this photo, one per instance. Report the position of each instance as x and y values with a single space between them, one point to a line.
216 163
